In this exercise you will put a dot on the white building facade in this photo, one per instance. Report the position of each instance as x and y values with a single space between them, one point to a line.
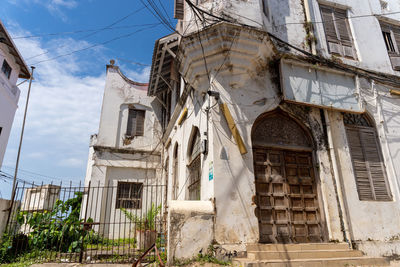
123 170
284 126
279 123
12 68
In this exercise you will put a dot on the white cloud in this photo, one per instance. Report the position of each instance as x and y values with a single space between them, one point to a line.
141 76
65 103
71 162
53 6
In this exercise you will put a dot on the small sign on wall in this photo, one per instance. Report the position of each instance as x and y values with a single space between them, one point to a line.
211 171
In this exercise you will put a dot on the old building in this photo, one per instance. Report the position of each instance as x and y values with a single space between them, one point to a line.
279 123
124 157
12 68
285 128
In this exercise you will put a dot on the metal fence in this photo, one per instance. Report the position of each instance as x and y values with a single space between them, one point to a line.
97 223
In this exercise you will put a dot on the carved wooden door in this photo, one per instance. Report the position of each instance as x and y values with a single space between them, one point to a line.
286 196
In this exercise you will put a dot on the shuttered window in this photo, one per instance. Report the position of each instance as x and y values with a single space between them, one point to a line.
337 31
179 9
135 125
391 36
366 157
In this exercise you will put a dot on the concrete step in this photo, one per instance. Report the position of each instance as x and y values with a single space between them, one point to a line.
297 247
314 262
301 254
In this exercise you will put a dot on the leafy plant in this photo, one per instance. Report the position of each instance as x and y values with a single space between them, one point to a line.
59 229
147 222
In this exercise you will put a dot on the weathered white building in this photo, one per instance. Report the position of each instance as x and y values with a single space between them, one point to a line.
124 162
280 124
12 68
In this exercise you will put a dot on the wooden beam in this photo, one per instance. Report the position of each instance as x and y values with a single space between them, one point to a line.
232 126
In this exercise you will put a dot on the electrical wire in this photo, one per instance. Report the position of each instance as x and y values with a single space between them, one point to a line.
97 31
94 45
81 31
353 69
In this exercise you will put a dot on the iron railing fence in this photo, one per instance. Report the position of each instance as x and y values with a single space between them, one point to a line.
98 223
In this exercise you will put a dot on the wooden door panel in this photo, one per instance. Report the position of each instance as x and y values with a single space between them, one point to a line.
287 204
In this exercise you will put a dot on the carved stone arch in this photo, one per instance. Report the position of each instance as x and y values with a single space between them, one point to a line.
277 128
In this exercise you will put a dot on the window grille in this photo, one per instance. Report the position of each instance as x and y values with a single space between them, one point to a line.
195 167
129 195
366 156
194 179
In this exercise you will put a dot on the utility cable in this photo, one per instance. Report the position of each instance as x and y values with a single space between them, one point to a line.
81 31
94 45
100 30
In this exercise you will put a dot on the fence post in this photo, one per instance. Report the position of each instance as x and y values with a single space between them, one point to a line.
84 223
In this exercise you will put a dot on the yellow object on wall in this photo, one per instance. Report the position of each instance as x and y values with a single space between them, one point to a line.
232 126
395 92
183 116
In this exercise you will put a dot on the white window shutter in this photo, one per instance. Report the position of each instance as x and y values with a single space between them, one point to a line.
179 9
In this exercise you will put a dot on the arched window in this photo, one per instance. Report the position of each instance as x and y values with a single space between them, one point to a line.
194 166
366 156
175 181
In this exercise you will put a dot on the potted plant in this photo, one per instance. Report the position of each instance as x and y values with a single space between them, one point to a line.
146 233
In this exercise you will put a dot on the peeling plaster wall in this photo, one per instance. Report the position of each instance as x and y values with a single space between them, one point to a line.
191 228
366 31
373 224
112 158
236 223
119 95
9 96
4 205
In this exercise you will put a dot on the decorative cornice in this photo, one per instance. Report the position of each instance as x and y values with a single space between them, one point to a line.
116 68
124 150
240 49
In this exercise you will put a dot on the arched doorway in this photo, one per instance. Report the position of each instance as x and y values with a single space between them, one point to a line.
286 191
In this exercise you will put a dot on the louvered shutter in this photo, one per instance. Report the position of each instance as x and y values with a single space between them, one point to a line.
337 31
139 122
368 166
329 26
131 126
374 164
363 183
179 9
396 33
344 33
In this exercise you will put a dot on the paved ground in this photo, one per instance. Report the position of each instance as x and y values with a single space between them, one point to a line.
392 264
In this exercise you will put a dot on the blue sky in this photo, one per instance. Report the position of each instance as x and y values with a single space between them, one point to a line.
66 95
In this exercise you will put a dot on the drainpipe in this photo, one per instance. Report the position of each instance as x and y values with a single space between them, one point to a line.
336 173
